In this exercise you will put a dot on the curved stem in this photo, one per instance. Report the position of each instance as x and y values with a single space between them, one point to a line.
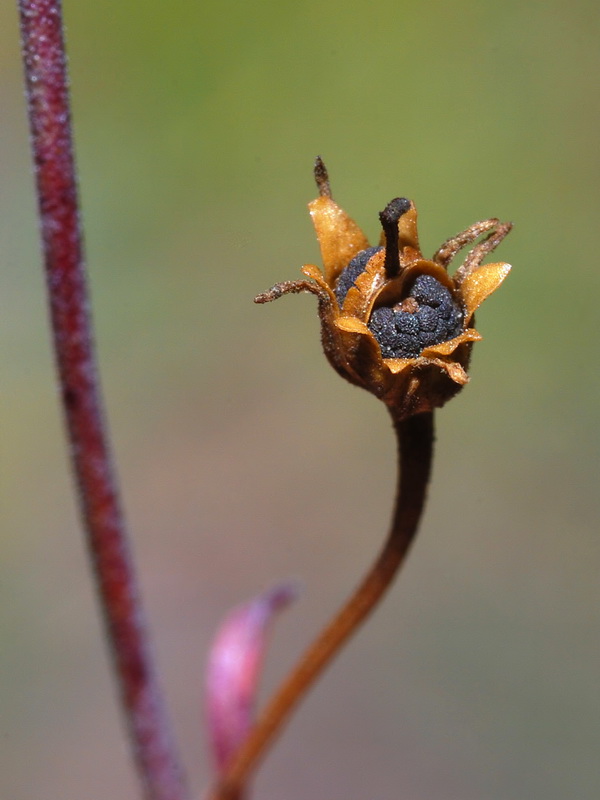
62 240
415 451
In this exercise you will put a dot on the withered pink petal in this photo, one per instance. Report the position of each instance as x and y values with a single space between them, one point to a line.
233 670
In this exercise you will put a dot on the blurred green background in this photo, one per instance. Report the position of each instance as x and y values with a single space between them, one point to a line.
244 459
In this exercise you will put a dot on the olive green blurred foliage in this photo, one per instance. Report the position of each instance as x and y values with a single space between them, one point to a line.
244 459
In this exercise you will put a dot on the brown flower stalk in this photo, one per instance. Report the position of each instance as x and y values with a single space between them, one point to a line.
49 116
415 450
398 325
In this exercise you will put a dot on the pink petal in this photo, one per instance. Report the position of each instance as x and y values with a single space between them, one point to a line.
233 671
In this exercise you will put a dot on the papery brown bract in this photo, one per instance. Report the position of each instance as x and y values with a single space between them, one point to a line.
407 385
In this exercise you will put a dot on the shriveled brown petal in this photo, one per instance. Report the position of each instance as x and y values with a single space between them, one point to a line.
446 348
455 244
291 287
480 284
340 238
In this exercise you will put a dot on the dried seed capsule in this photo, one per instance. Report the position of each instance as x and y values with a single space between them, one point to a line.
392 321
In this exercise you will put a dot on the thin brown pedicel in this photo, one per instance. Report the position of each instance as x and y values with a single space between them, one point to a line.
415 450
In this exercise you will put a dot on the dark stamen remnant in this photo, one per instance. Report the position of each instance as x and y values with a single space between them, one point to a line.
352 271
404 333
321 177
389 222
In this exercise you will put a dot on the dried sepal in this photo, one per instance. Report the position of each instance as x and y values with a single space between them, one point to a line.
447 348
480 284
340 238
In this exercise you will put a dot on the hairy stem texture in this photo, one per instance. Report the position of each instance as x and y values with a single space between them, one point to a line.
415 451
49 117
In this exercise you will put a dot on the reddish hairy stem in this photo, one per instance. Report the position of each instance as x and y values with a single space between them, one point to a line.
415 452
49 118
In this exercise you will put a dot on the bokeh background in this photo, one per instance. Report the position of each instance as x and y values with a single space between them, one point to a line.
244 459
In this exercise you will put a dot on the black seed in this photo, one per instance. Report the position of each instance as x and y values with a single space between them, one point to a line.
441 329
446 309
427 338
408 347
426 289
428 318
382 318
402 334
384 330
406 323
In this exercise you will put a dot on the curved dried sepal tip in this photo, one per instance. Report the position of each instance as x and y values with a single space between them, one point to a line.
339 237
234 667
322 177
480 284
